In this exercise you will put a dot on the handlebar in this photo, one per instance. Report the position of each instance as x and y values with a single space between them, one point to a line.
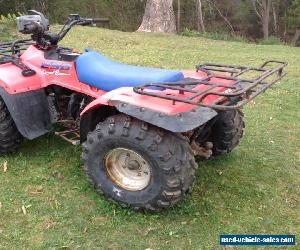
73 20
38 26
87 21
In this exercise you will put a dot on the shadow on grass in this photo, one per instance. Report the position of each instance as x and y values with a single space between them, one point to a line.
57 157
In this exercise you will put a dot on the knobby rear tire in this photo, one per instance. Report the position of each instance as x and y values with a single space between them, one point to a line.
227 131
170 156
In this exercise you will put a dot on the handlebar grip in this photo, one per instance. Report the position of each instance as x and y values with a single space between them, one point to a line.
86 22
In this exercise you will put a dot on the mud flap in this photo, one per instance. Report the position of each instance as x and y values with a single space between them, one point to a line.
30 112
179 123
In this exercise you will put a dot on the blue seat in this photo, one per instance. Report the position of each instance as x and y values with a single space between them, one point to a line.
100 72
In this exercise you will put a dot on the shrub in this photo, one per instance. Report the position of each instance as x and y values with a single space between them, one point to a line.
10 20
272 40
214 35
190 33
8 26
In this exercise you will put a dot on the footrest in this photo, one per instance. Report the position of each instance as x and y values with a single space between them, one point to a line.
71 136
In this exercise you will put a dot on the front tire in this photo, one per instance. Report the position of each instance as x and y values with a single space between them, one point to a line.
10 138
122 151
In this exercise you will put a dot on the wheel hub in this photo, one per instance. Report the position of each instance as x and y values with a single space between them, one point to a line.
127 169
133 165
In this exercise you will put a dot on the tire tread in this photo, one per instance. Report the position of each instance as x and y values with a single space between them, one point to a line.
10 137
171 151
227 132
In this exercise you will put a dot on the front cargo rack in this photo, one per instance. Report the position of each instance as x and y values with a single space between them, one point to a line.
10 52
13 49
233 86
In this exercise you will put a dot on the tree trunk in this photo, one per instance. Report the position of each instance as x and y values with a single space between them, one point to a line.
212 2
265 25
178 15
266 7
296 37
159 17
200 21
262 9
276 27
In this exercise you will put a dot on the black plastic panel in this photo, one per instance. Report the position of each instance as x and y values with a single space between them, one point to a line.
60 54
30 112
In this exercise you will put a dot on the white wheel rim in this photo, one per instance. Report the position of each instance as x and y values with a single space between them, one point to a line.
127 169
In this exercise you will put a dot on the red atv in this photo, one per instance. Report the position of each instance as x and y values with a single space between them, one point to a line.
141 128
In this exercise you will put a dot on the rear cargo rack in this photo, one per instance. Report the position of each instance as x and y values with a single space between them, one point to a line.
228 83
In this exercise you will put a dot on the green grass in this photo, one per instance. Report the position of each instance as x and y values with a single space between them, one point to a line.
222 36
255 189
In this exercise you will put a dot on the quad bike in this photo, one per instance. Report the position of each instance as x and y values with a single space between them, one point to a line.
140 128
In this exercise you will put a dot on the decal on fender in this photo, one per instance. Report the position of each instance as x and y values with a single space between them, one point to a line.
56 66
53 68
55 73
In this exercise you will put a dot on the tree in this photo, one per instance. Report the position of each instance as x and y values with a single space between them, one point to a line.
275 21
263 9
200 20
296 37
159 17
294 20
178 15
228 23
